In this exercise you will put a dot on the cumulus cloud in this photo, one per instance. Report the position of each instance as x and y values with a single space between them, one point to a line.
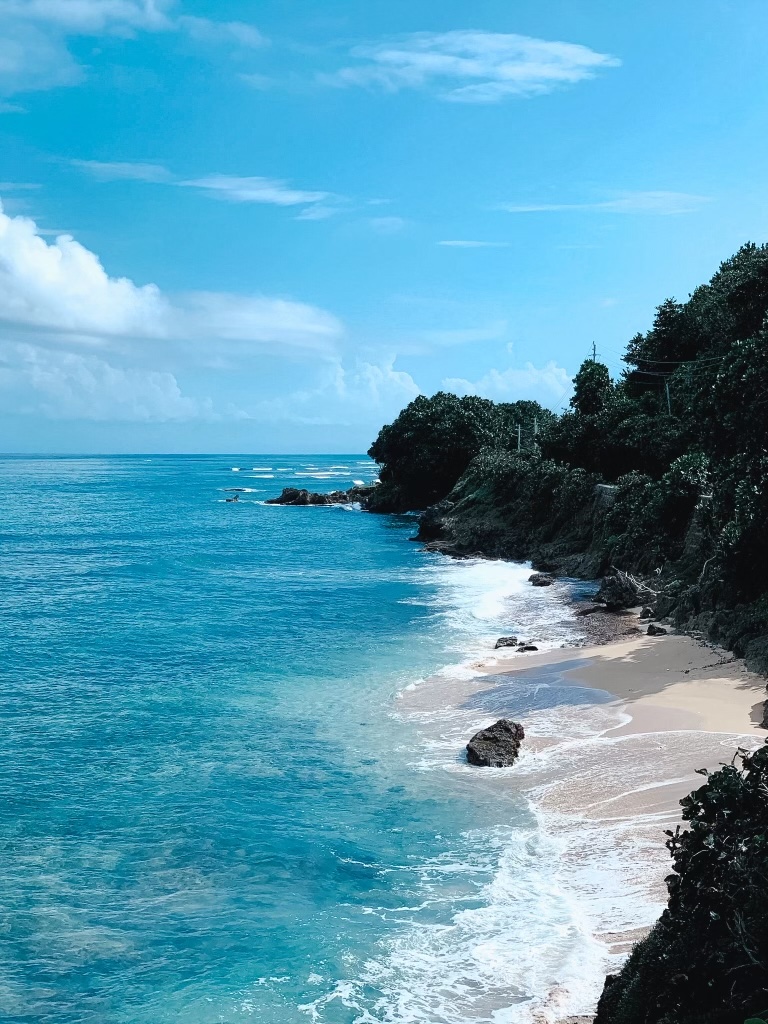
369 391
34 35
472 66
70 385
548 384
76 342
659 202
62 289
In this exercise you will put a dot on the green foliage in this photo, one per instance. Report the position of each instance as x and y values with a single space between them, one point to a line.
706 960
430 444
592 388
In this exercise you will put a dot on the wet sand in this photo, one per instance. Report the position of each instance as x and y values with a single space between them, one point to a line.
614 737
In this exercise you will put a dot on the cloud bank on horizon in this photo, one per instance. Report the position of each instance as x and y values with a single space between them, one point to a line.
285 231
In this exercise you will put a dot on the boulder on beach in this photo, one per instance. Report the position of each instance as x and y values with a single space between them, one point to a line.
656 630
541 579
526 647
506 641
497 746
646 613
764 723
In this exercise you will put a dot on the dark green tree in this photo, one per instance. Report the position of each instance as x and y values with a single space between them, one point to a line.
592 388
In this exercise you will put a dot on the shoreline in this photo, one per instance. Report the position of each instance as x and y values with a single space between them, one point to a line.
615 732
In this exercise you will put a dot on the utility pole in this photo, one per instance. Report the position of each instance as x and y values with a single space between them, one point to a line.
669 400
519 437
594 352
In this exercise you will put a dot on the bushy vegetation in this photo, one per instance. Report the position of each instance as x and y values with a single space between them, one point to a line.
430 444
706 959
681 440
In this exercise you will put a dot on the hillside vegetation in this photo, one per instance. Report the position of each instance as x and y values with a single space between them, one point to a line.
663 472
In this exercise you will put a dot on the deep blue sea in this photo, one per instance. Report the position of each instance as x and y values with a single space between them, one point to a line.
211 810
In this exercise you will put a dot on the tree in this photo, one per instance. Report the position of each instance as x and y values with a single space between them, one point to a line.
592 388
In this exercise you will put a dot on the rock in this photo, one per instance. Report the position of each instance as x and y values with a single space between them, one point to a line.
589 610
432 521
526 647
541 579
764 723
656 630
646 613
300 496
505 641
497 746
618 591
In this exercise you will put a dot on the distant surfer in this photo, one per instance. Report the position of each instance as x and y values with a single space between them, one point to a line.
235 497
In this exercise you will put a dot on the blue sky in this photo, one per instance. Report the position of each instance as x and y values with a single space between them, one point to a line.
240 226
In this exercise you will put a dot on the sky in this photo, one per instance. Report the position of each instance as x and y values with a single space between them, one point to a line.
231 226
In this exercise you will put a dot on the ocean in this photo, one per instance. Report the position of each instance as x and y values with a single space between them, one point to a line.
213 806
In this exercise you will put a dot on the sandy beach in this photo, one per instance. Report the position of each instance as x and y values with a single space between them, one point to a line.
614 737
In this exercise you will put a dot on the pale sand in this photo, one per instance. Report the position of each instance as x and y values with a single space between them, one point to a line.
604 771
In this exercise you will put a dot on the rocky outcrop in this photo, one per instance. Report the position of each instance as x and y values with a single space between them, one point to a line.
541 579
506 641
300 496
618 591
656 630
496 747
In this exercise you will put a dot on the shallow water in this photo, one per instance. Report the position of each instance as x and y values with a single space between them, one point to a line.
213 808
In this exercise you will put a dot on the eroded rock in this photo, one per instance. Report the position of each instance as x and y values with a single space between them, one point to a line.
656 630
506 641
496 747
541 579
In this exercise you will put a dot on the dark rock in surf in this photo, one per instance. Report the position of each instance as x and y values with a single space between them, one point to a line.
300 496
526 647
656 630
496 747
541 579
506 641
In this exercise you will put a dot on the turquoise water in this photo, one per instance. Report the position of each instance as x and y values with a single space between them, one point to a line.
210 809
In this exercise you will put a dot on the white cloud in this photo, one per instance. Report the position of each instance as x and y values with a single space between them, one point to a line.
115 171
69 385
92 16
207 31
467 244
548 384
78 343
472 66
659 202
62 289
34 35
316 205
255 190
373 392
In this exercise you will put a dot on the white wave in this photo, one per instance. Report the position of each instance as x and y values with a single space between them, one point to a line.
264 476
261 469
235 469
